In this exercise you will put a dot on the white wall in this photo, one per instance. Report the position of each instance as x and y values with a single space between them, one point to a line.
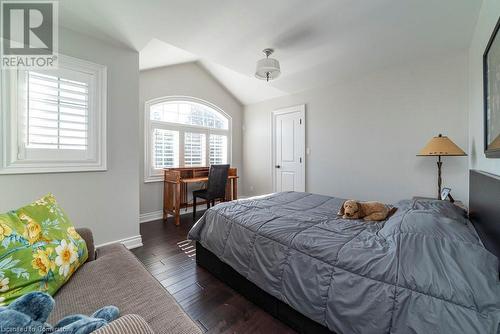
488 17
107 202
188 79
364 134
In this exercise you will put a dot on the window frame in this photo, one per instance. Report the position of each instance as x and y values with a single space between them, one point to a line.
16 158
153 175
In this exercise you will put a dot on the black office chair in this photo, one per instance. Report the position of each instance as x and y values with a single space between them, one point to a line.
216 187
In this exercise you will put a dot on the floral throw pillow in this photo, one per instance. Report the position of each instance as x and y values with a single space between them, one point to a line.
39 249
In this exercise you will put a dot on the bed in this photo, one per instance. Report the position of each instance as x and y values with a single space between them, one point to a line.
424 270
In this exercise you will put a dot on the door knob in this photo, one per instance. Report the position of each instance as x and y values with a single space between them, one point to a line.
277 166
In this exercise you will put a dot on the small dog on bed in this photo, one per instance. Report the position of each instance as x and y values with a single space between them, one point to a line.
369 211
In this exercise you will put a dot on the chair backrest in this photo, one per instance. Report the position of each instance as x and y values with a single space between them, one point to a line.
217 179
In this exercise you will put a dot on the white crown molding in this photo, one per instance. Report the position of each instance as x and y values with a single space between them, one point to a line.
130 243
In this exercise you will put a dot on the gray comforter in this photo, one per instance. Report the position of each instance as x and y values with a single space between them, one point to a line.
422 271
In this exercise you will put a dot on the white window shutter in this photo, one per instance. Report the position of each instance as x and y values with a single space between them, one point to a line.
57 116
218 149
194 149
204 134
165 148
56 119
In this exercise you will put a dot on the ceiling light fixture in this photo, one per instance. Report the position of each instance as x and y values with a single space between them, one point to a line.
267 68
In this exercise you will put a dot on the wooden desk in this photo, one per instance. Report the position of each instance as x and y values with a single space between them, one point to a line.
175 189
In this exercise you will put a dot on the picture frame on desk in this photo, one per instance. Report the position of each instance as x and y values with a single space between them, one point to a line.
446 193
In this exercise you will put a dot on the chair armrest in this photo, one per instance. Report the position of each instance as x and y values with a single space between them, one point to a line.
86 234
128 324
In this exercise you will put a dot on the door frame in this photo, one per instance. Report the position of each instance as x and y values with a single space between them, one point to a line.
288 110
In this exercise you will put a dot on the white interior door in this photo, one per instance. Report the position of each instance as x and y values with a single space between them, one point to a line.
288 149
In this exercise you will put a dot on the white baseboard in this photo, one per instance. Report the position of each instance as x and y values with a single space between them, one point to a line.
130 243
157 215
150 216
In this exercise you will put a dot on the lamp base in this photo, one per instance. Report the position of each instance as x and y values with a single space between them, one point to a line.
440 165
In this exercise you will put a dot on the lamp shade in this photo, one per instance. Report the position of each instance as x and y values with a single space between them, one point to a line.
267 69
441 146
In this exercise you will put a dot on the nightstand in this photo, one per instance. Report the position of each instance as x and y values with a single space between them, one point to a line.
460 204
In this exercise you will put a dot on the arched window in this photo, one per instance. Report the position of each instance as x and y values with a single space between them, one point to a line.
184 132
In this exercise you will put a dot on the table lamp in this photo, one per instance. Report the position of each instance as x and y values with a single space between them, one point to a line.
441 146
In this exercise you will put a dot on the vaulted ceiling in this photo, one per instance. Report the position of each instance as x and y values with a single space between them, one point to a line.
317 42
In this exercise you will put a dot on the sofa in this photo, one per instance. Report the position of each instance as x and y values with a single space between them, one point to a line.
113 275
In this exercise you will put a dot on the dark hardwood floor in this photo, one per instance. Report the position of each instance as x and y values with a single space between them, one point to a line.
214 306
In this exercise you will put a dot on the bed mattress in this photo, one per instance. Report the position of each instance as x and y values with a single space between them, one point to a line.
424 270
